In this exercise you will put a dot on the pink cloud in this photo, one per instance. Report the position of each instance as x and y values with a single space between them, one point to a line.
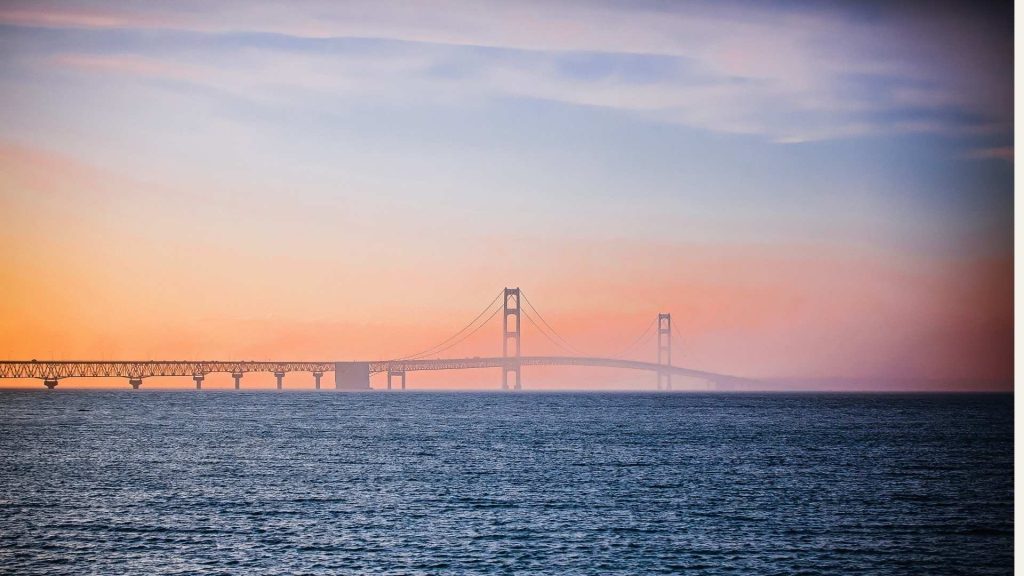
44 18
1000 153
130 65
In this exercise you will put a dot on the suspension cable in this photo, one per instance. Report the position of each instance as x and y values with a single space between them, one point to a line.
644 336
677 335
463 339
432 349
553 331
560 346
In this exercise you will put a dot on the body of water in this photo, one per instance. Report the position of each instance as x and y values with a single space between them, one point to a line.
149 482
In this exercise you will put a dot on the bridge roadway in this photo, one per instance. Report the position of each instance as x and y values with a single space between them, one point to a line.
51 371
498 362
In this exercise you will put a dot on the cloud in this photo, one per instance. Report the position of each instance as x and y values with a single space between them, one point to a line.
785 74
999 153
61 18
131 65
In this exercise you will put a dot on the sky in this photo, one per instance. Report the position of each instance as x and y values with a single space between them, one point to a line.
817 191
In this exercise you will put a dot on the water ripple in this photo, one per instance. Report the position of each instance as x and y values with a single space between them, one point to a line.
186 483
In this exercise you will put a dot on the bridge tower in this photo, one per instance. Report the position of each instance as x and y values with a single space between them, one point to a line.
511 305
665 349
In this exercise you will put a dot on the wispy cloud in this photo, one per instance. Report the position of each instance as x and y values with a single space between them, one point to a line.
998 153
787 75
131 65
55 16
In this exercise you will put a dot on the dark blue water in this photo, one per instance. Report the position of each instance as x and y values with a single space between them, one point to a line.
325 483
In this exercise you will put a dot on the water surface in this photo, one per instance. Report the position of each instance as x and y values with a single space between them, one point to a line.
154 482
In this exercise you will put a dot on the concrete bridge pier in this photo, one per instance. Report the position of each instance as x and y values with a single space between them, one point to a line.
50 383
280 379
400 373
199 380
317 376
517 383
238 379
664 380
135 382
352 375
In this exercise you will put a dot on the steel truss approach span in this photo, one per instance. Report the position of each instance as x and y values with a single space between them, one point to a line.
147 369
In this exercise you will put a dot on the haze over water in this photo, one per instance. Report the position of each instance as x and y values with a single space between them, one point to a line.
490 483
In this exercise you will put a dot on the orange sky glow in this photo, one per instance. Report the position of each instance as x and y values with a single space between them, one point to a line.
184 183
85 281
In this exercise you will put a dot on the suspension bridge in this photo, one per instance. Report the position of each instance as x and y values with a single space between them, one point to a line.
355 375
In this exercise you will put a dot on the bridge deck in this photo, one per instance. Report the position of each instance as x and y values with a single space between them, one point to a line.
497 362
151 368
